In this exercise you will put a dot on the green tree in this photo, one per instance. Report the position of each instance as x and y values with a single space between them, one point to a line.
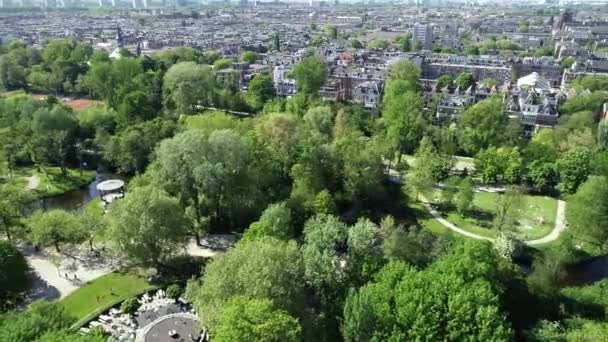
275 222
331 31
281 135
602 134
113 80
147 226
464 196
360 162
355 44
509 207
276 42
175 292
402 119
186 85
573 168
66 335
324 203
501 163
223 63
443 81
249 57
40 317
14 279
421 177
378 44
310 74
130 306
482 125
464 81
53 134
587 213
53 228
131 149
365 254
405 70
405 304
244 320
323 237
566 63
13 202
266 269
91 222
260 91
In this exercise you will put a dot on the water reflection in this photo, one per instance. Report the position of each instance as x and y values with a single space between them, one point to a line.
76 199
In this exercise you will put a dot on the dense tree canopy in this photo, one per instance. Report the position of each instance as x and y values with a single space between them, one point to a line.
247 320
264 269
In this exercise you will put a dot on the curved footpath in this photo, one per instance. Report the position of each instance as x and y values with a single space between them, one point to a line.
558 229
560 225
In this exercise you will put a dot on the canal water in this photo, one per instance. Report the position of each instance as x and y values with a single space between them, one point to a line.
76 199
588 271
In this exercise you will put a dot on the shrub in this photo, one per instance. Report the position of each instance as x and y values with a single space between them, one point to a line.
130 306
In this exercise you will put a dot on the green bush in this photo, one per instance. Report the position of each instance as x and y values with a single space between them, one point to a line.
130 306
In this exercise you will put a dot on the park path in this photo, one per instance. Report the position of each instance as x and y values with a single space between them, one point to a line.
558 228
560 224
51 283
32 182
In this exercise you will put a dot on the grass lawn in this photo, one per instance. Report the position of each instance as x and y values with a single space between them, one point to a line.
484 209
52 182
84 301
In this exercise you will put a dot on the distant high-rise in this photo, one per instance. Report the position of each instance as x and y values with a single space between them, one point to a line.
423 33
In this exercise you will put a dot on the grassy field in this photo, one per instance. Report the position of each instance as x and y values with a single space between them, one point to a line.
484 209
51 181
103 291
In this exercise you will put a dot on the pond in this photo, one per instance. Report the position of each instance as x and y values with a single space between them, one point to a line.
76 199
588 271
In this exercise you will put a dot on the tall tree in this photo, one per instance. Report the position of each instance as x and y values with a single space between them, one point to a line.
509 208
310 74
323 237
260 91
147 226
255 320
265 269
573 168
53 228
275 222
187 85
13 202
482 125
587 213
14 279
402 118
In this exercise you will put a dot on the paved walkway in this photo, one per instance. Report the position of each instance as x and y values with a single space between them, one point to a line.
51 283
560 224
558 229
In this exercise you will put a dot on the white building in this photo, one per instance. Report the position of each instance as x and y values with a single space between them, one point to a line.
368 94
284 85
423 33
